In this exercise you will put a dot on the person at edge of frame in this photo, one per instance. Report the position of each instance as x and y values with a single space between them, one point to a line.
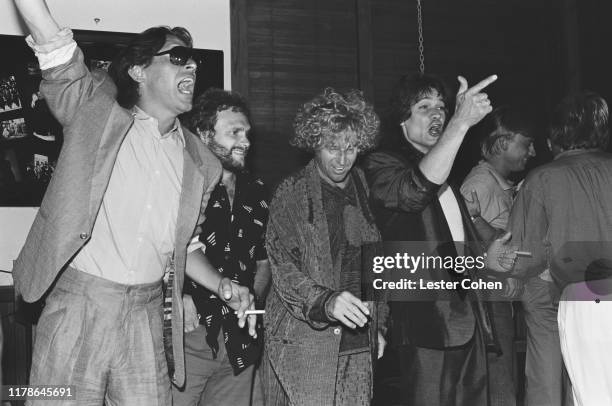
561 215
119 212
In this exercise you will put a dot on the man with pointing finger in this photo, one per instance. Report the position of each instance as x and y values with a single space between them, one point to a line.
439 343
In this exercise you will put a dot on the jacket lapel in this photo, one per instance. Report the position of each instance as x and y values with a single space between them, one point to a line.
195 173
321 232
201 172
118 124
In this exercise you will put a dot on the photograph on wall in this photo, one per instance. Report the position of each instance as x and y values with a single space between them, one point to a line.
30 136
9 96
41 121
13 129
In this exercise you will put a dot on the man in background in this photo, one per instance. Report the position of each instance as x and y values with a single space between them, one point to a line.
563 216
220 357
488 191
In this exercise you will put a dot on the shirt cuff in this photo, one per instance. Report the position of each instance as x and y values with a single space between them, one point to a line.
57 51
319 311
195 244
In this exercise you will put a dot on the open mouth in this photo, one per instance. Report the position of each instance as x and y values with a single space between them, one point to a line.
435 129
185 86
239 151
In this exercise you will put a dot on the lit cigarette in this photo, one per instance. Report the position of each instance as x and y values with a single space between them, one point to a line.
523 253
249 312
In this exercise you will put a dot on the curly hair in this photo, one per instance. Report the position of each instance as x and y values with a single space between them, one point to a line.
331 113
203 115
140 51
580 121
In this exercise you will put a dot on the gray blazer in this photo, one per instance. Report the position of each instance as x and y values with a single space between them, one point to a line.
94 128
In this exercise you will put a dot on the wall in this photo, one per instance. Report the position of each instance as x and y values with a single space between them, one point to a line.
517 40
290 49
207 20
15 223
295 48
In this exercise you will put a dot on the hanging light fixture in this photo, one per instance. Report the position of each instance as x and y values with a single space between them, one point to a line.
420 29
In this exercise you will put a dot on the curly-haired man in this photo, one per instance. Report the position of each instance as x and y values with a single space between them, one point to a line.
318 348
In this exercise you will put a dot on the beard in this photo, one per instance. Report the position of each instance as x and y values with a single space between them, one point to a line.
228 162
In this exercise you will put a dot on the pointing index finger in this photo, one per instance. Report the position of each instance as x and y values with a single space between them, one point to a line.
463 85
482 84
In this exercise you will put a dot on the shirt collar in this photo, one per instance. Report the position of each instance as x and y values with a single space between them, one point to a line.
175 132
578 151
505 184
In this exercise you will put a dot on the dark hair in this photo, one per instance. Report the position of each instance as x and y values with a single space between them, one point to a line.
580 121
140 51
409 90
329 114
203 115
405 93
503 123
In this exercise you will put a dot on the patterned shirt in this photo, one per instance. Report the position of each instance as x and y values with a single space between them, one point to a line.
233 241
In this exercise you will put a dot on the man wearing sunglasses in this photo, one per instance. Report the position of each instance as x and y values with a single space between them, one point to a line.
109 227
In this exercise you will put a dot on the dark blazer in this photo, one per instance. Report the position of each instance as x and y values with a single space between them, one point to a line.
406 208
94 128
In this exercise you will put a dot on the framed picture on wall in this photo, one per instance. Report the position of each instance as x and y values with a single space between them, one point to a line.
12 129
30 137
9 96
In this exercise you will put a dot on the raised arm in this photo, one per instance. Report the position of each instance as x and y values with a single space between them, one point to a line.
67 83
37 17
471 107
397 184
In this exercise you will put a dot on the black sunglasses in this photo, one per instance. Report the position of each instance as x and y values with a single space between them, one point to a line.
179 55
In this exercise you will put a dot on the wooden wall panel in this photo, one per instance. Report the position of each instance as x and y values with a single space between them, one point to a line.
294 48
476 38
517 40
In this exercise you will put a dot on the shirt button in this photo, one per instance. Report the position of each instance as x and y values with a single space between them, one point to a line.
84 236
337 331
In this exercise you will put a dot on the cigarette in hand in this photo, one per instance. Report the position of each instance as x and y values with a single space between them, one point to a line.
249 312
523 253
